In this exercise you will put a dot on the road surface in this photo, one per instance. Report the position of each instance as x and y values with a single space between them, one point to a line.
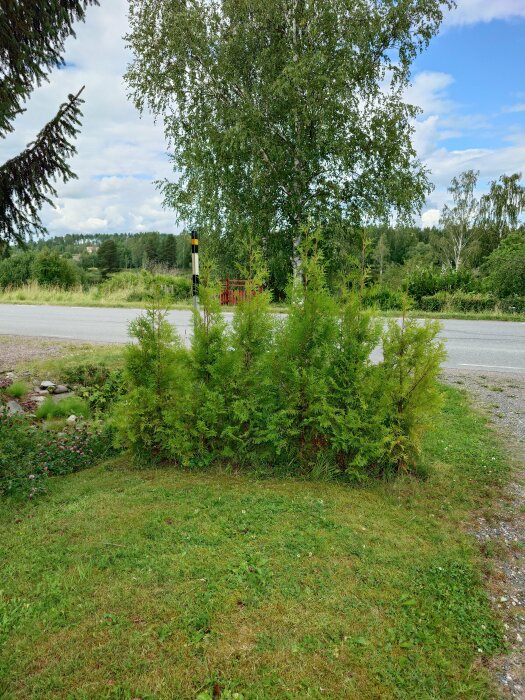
480 345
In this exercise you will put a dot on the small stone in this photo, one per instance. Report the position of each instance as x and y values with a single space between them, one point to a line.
71 420
47 385
10 375
59 389
14 408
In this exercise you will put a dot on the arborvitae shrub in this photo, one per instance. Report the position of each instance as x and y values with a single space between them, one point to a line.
298 414
412 358
211 363
154 417
358 405
298 393
252 334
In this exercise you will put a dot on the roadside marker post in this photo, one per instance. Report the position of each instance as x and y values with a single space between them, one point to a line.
195 268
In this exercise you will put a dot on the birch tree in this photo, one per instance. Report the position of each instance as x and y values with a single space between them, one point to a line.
459 220
280 111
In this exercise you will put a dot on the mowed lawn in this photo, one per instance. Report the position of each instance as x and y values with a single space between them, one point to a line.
163 584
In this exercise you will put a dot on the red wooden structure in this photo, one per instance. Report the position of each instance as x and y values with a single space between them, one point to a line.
233 291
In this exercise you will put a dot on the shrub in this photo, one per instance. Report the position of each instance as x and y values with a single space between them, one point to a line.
412 357
15 271
144 286
428 282
297 414
383 298
459 301
72 405
151 419
436 302
505 267
356 426
99 385
29 455
299 394
252 334
512 305
211 364
50 269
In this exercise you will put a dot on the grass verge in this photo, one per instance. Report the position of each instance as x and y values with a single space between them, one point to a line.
34 294
480 316
163 584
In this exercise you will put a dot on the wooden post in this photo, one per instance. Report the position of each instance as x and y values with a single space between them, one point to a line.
195 268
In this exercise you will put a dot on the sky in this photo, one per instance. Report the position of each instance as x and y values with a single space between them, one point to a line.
469 83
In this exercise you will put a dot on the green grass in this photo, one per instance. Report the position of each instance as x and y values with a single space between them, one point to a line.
164 584
54 367
34 294
478 316
17 389
72 405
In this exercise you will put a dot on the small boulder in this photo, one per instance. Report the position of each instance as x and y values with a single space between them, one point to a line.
71 420
59 389
47 385
14 408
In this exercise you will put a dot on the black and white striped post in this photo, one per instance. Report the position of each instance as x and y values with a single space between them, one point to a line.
195 268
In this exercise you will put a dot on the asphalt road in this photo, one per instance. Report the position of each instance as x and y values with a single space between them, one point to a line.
497 346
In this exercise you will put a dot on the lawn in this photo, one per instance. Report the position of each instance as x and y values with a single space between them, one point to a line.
163 584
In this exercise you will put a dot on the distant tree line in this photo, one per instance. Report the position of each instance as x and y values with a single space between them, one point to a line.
73 259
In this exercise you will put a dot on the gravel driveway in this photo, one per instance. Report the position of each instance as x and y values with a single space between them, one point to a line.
502 397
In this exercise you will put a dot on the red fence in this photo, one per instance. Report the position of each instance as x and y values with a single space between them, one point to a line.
233 291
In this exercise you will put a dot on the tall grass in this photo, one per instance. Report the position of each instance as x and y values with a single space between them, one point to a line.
130 290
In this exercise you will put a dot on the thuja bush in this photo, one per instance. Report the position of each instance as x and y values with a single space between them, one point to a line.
153 418
300 394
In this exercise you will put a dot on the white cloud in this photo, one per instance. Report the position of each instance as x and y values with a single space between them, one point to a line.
119 154
515 108
430 218
443 120
473 11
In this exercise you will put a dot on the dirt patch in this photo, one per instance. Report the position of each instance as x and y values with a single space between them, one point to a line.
502 397
15 350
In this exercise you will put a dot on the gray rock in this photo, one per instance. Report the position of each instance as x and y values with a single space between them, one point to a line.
71 420
59 389
47 385
14 408
10 375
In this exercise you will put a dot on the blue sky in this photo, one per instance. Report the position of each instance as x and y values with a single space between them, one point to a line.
470 84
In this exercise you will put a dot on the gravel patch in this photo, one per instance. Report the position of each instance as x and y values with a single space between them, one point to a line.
502 397
15 350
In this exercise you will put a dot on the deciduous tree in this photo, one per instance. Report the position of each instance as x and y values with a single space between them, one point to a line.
278 111
459 220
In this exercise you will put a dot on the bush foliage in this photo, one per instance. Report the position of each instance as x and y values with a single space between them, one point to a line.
298 394
505 267
29 455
